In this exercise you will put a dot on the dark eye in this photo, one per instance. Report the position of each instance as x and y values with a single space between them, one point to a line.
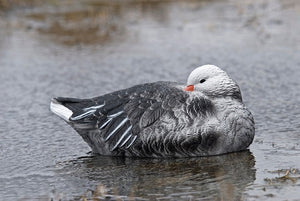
203 80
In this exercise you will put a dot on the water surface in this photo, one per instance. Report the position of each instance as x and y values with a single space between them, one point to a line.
88 48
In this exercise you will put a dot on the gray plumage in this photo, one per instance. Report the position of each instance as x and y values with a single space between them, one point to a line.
161 119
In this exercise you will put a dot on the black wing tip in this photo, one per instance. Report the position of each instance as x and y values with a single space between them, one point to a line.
63 100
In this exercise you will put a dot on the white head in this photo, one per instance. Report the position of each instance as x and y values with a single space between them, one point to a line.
212 81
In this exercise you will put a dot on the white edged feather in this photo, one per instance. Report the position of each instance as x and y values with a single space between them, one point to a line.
60 110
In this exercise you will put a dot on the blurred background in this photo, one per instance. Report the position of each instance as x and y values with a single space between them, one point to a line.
85 48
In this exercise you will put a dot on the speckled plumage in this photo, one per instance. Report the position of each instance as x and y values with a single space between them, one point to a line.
162 120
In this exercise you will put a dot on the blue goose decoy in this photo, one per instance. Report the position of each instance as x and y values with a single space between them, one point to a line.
164 119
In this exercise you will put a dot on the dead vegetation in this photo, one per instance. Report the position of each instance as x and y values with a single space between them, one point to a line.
289 175
6 5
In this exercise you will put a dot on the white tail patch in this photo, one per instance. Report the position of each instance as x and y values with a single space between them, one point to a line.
60 110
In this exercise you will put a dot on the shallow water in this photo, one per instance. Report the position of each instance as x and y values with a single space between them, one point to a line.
88 48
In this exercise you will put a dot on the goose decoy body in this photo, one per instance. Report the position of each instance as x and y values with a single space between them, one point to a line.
164 119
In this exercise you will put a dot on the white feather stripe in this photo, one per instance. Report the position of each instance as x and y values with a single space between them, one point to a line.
121 138
105 123
110 118
125 140
83 115
115 115
119 126
132 141
94 107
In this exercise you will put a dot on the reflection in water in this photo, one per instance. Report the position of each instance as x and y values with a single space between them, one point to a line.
96 21
102 21
221 177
